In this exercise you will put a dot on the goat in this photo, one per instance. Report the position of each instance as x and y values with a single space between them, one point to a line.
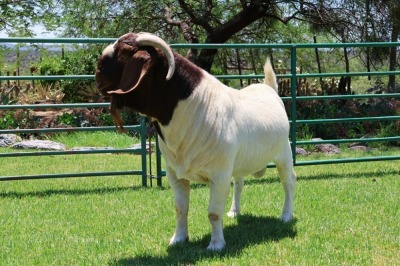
208 131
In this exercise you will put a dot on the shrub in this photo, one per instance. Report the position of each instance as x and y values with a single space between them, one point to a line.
5 98
346 109
21 119
79 61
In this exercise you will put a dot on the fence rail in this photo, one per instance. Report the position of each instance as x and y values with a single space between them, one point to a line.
293 99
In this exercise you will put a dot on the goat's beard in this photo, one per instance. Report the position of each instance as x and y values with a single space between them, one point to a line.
116 117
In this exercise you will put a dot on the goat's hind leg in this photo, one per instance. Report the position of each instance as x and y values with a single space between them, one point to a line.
284 165
238 184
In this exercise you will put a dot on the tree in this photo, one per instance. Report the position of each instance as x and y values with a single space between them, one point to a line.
206 21
364 21
106 18
394 13
217 21
18 16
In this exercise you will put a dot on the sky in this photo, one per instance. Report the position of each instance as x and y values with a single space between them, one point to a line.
39 31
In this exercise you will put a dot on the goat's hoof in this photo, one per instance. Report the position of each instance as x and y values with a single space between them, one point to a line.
175 240
286 217
216 245
233 214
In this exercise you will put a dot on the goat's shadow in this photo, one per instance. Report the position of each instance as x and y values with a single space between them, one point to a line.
250 230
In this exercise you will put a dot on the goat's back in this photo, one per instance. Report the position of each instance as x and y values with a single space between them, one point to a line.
262 128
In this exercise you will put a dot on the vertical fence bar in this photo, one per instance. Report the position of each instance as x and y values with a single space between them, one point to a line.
158 164
143 138
293 92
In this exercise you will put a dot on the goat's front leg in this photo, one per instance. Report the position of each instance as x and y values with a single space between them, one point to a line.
181 188
237 192
219 190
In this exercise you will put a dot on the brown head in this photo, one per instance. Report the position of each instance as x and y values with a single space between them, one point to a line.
141 72
125 65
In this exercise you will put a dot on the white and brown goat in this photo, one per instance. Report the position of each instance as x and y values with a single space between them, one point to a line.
208 132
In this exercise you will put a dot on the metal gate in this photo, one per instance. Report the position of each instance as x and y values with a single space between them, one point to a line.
294 99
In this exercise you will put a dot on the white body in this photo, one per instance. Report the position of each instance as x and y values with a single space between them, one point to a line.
219 132
209 132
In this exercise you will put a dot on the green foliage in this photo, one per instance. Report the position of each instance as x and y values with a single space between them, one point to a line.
85 118
106 119
51 65
73 120
305 133
82 61
77 61
346 109
17 119
389 130
201 21
7 120
16 17
5 98
76 91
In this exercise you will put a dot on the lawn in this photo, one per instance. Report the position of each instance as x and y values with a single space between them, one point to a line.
346 214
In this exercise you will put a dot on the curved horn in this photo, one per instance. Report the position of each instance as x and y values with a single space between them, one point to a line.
148 39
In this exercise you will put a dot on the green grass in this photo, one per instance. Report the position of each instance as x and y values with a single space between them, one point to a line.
95 139
346 214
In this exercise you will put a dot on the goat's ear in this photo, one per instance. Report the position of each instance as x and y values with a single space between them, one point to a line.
134 70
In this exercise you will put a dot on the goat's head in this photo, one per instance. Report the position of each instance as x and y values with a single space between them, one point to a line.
124 65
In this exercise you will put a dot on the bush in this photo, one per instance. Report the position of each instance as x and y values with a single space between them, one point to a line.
21 119
80 61
389 130
346 109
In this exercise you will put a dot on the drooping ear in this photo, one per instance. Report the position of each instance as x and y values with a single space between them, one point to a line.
134 70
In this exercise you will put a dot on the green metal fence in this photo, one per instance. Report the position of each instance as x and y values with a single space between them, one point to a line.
293 98
141 128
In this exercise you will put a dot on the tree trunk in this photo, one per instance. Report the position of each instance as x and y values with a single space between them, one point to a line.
224 32
239 66
368 16
318 61
347 79
392 59
206 58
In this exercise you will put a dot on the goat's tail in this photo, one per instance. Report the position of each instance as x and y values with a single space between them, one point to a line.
270 77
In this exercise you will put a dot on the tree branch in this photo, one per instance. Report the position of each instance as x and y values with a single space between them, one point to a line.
242 19
195 19
250 13
168 18
188 35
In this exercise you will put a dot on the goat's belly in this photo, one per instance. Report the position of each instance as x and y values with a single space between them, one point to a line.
193 175
254 157
249 169
201 167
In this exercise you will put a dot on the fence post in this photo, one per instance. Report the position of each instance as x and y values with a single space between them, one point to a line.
293 93
8 81
158 164
143 138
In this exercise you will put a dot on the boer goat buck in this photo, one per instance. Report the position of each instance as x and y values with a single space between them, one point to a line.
208 132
